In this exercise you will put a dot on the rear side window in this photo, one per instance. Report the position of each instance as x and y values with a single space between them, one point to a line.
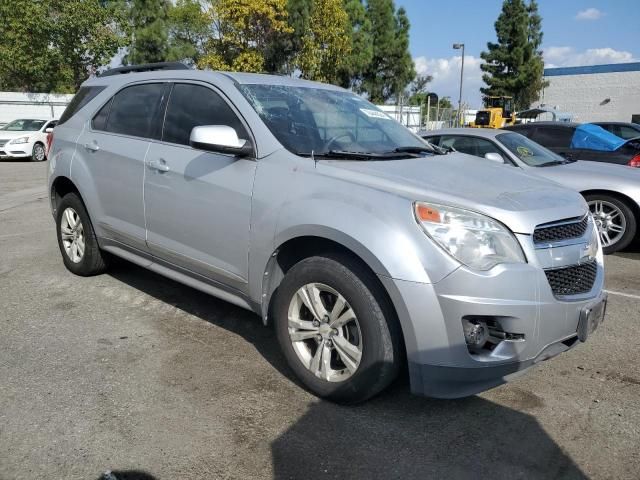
192 106
133 110
553 137
99 122
84 96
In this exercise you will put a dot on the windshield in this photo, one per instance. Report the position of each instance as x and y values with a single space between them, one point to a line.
318 120
530 152
24 125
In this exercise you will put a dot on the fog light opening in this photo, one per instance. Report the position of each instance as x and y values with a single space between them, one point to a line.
476 333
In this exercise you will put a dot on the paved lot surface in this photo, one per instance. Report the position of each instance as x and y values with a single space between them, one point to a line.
131 372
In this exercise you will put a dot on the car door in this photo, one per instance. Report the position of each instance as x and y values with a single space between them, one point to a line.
113 148
198 203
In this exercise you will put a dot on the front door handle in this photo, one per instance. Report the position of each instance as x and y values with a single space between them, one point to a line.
161 166
92 147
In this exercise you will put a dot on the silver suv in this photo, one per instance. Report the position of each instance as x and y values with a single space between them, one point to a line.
368 249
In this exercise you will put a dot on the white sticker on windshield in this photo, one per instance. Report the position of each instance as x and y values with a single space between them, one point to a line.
375 113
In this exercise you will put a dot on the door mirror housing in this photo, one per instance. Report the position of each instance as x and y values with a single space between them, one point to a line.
221 139
48 130
494 157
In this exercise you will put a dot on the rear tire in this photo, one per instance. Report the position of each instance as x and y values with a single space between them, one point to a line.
373 330
615 220
76 238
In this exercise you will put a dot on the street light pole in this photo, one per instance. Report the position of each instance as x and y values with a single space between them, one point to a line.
458 46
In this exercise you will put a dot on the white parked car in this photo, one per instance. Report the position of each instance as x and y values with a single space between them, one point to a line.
25 138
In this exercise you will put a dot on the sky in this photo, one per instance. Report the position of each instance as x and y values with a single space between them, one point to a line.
576 32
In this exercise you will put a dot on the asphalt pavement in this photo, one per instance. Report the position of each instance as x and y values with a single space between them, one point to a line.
134 374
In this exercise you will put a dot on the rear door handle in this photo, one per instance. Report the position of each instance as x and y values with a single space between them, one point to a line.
92 147
160 166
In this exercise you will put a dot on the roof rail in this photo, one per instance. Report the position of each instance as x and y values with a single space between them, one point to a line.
146 67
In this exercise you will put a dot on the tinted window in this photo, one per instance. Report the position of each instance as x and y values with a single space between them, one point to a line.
627 132
134 110
99 122
84 96
470 145
192 106
553 137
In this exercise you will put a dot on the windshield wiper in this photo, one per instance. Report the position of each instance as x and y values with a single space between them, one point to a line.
349 155
415 149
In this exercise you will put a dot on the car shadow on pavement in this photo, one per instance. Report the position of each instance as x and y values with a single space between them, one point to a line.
394 435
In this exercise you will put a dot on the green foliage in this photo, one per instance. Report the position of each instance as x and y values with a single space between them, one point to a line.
391 68
149 38
514 66
327 42
189 28
55 45
361 41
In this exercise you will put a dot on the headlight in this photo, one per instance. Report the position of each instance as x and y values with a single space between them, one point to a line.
471 238
20 140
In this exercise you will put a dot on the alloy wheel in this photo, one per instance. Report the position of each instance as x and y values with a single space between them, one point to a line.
325 332
38 153
72 233
610 221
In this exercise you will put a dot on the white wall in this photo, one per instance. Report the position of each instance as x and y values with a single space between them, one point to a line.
31 105
585 95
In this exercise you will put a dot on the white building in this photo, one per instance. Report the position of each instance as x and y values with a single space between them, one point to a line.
15 105
595 93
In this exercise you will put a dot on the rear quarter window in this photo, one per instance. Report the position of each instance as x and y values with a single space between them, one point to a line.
84 96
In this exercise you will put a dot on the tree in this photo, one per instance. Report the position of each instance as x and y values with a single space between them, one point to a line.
391 68
514 65
242 33
55 45
326 43
189 28
149 41
361 41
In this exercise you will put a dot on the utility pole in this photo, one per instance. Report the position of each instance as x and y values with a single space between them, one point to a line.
458 46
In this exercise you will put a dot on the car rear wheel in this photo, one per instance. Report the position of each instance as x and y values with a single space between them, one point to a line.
336 329
615 221
38 153
76 238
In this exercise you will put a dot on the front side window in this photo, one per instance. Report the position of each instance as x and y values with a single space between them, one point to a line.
627 133
531 153
320 120
134 110
192 106
553 137
24 125
478 147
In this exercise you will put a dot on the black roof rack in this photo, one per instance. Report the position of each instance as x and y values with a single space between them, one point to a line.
146 67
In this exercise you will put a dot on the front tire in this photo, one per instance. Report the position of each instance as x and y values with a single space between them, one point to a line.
38 154
76 238
336 329
615 221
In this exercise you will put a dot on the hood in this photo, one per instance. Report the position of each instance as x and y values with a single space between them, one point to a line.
518 200
6 134
584 175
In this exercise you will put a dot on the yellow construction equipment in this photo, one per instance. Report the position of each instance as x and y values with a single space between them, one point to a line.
498 113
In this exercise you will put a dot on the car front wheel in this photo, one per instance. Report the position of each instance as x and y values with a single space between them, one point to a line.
615 221
38 153
336 329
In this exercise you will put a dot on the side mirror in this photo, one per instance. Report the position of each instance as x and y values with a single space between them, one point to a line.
494 157
48 130
219 138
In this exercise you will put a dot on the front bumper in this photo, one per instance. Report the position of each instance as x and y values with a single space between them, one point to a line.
20 150
517 297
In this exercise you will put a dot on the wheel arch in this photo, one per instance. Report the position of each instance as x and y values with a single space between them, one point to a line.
60 187
298 248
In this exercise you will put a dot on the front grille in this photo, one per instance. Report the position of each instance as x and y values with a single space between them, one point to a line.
3 143
565 231
572 280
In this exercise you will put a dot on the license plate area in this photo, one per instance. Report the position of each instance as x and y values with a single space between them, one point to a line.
590 317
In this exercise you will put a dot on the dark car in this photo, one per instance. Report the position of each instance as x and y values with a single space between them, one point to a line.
577 141
624 130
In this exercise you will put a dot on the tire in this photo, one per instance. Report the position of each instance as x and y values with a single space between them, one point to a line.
375 329
88 261
604 208
38 154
